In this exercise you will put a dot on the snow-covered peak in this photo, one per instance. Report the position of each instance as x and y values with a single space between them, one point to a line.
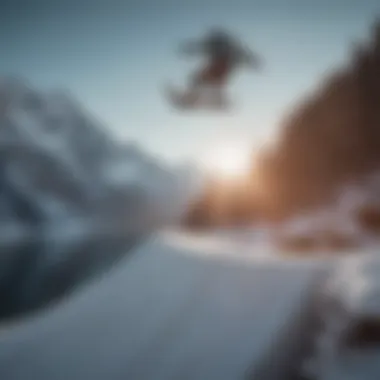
72 194
64 164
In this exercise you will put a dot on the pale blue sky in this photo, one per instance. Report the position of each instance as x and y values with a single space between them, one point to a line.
115 57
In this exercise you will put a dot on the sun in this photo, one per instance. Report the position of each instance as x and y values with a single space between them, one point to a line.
228 160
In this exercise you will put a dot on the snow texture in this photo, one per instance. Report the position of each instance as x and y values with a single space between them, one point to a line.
169 312
349 299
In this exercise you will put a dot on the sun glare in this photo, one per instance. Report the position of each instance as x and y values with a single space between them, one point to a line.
228 160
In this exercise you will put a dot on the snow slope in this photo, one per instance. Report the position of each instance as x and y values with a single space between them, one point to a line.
168 312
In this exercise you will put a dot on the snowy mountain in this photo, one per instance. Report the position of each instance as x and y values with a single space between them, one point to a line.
60 164
73 199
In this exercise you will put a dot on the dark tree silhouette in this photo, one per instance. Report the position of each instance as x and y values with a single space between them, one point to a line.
328 139
331 138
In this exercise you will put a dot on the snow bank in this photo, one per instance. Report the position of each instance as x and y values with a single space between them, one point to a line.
350 221
355 283
349 311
